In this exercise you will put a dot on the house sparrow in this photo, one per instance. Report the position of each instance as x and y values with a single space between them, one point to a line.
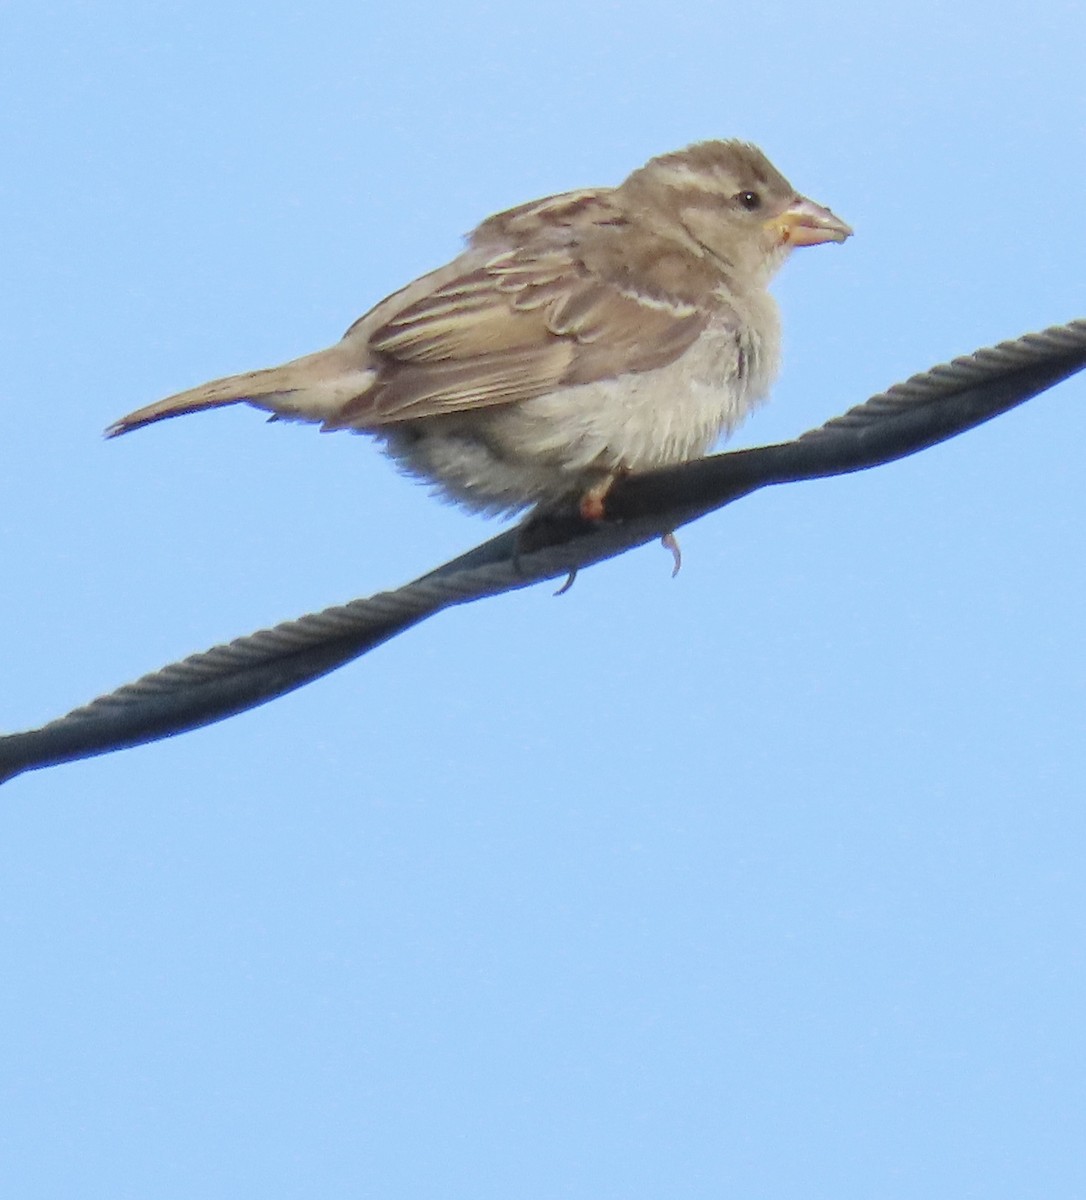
577 337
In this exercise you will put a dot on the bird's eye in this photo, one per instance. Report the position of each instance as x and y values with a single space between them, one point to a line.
749 200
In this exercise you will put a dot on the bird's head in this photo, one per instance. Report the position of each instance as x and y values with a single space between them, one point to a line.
732 204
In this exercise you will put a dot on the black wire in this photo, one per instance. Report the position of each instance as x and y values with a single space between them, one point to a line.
925 410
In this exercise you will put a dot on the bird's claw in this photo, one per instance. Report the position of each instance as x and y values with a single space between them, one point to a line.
670 542
568 583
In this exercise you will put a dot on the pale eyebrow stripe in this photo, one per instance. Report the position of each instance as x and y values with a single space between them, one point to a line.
683 175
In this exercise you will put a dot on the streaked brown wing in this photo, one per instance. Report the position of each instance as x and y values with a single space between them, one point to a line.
523 323
586 207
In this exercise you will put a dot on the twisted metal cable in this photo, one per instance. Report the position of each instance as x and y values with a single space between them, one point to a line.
926 409
989 363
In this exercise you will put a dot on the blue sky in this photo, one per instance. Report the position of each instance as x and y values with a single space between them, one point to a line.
762 882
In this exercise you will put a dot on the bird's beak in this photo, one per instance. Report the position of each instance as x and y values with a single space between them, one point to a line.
805 223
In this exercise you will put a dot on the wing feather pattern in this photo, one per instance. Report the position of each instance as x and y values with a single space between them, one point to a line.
521 324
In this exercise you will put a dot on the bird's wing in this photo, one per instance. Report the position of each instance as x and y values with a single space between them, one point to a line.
542 299
516 325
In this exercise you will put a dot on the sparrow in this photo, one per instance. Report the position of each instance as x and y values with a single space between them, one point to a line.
577 338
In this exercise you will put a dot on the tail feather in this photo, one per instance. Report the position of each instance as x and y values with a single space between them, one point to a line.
210 395
310 388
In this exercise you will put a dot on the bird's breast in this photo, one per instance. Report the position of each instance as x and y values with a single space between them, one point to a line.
648 419
543 450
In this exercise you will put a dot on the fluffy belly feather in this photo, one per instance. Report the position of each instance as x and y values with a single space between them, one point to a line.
554 447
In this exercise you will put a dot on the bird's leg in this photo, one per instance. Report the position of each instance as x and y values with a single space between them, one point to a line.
591 509
592 506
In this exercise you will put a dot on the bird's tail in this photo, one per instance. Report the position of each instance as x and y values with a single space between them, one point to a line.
308 389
